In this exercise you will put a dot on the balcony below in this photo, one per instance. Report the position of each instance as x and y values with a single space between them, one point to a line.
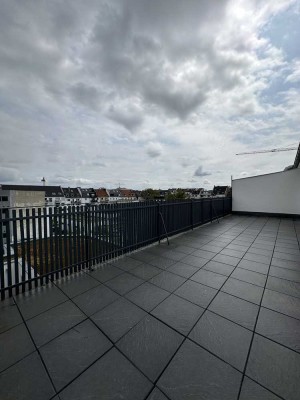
214 315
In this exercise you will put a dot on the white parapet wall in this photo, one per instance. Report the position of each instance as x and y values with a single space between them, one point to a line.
277 193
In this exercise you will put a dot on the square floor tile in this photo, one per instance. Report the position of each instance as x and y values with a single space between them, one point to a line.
142 255
252 391
213 248
263 252
15 344
39 300
180 314
150 345
111 377
156 394
51 323
293 265
118 318
208 255
233 261
285 273
232 253
196 293
280 328
105 272
244 290
275 367
183 270
126 263
95 299
185 249
219 268
249 276
196 374
174 255
73 285
145 271
72 352
124 283
209 278
147 296
194 261
9 315
223 338
254 266
283 303
283 286
162 262
26 380
287 256
258 258
167 281
237 310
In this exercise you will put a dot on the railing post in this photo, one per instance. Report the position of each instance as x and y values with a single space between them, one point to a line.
223 206
192 221
158 221
86 226
211 217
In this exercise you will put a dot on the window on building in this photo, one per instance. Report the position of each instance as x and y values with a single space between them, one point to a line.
4 198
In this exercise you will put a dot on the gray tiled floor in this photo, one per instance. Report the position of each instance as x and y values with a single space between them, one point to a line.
215 315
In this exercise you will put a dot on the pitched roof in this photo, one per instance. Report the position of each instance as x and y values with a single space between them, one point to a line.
101 192
126 192
71 192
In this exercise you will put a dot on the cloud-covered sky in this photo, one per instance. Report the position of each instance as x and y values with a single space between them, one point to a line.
141 93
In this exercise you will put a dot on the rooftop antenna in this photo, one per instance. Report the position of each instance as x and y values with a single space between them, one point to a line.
44 181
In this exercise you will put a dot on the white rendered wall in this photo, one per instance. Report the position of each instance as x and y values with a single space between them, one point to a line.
273 193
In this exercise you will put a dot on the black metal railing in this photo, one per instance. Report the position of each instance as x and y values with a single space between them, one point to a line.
39 245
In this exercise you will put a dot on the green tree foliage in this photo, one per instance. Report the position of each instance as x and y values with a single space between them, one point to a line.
150 194
178 195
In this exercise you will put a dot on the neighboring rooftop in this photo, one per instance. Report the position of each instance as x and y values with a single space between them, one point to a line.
216 315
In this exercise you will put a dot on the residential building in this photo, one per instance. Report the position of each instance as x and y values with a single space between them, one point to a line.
221 191
72 196
102 195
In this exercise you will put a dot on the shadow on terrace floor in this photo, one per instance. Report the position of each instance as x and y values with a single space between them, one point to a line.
213 316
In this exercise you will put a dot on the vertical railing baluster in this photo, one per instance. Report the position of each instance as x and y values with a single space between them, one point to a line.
46 242
40 246
52 253
23 250
8 254
35 262
15 247
2 273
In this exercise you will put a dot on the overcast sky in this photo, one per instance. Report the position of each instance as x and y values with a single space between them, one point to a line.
142 93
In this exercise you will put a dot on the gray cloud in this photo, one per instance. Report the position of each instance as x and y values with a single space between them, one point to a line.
199 172
180 76
9 174
131 118
154 150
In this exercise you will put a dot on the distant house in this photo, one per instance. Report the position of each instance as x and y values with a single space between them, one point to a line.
54 196
88 196
127 194
102 195
193 193
221 191
72 195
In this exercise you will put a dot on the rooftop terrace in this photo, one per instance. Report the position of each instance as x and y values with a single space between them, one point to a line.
215 315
